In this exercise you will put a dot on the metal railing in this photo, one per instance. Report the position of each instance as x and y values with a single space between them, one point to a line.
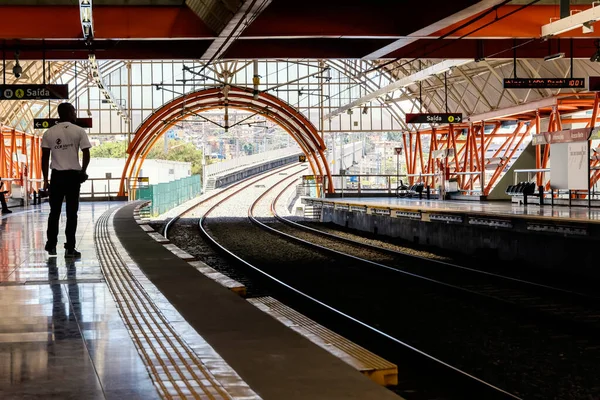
100 188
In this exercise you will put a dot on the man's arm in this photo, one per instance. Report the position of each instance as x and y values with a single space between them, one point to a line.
45 165
86 160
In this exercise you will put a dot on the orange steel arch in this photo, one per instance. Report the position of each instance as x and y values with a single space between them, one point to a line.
271 107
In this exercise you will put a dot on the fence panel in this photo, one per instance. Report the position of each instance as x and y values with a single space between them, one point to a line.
165 196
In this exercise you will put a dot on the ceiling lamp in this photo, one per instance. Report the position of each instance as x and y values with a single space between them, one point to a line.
553 57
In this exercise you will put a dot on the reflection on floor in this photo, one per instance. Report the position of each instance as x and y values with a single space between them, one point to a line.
60 333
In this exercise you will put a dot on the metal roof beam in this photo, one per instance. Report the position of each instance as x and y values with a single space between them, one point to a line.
401 83
431 29
242 18
516 110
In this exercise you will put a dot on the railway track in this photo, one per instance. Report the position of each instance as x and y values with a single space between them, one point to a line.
337 289
416 363
546 303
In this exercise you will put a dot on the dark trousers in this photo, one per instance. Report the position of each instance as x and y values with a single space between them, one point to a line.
3 201
63 185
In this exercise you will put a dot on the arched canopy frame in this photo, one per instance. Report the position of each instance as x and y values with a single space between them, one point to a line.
271 107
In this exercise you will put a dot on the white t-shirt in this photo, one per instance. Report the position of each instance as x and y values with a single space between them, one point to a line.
64 141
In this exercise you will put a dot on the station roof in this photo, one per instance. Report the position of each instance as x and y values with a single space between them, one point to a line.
238 29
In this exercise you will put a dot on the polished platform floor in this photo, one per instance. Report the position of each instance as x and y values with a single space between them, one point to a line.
61 336
575 214
130 320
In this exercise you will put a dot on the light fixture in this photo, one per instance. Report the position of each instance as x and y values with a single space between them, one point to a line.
584 19
365 110
553 57
86 19
596 56
17 69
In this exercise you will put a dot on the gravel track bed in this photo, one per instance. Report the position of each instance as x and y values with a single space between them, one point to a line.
535 362
185 234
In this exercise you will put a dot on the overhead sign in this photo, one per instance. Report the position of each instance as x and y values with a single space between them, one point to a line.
571 135
544 83
566 136
45 123
540 139
143 179
433 118
34 92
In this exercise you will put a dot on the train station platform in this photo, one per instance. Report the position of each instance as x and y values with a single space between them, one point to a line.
545 236
132 320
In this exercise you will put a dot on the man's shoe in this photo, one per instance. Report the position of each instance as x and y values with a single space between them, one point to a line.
50 249
72 254
7 211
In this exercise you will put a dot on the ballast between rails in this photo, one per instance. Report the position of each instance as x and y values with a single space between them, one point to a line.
254 180
472 379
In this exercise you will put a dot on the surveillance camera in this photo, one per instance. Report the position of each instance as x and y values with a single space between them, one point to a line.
17 71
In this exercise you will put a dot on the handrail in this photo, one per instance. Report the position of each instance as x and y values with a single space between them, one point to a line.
531 170
465 173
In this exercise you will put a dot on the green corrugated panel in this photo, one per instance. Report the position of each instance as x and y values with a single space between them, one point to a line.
166 196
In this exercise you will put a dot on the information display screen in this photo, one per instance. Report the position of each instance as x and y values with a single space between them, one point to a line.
544 83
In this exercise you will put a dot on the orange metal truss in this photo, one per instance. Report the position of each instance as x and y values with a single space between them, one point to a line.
470 144
14 143
271 107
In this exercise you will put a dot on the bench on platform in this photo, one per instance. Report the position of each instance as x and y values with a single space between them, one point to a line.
522 191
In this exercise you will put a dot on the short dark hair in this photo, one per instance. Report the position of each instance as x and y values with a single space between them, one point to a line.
64 110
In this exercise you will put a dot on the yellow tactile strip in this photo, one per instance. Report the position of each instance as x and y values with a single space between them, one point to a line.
378 369
177 371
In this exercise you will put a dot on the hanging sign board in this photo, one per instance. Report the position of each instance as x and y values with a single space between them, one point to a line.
34 92
45 123
570 135
433 118
566 136
540 139
544 83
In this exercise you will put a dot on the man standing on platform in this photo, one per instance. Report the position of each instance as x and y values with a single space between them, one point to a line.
63 141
